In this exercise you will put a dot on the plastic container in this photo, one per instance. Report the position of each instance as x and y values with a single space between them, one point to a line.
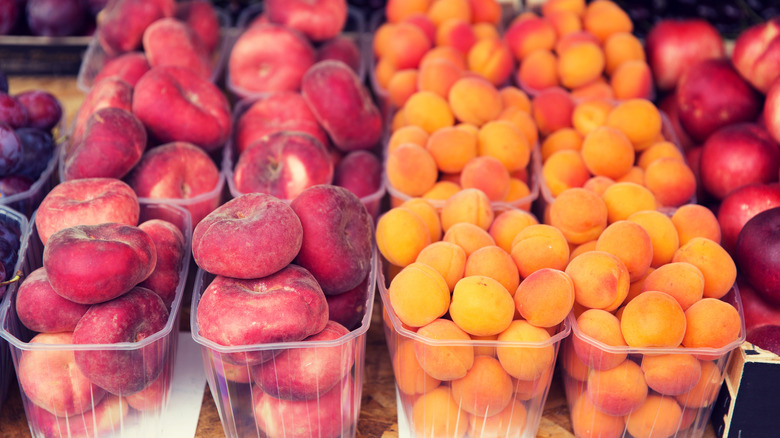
354 28
239 399
110 415
430 406
95 57
678 412
20 226
230 157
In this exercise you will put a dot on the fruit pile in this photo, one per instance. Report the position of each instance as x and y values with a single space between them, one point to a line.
290 300
96 258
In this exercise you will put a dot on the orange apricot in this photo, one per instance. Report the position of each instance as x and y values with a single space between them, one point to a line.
626 198
608 152
597 184
491 59
601 280
552 109
580 215
399 119
590 114
589 422
507 224
635 175
467 205
451 148
639 119
494 262
671 181
405 46
663 234
580 64
629 242
658 416
437 76
632 79
620 47
443 10
448 258
512 96
401 86
429 111
509 422
468 236
564 170
683 281
525 352
590 245
523 120
537 247
502 140
398 10
486 31
442 190
409 376
474 100
439 359
427 213
485 390
455 32
481 306
565 22
658 150
562 139
712 323
653 319
706 389
672 373
619 390
577 7
411 169
604 18
419 295
407 134
518 192
530 34
437 414
572 365
545 297
696 220
713 261
485 11
487 174
400 235
539 70
598 89
602 327
447 53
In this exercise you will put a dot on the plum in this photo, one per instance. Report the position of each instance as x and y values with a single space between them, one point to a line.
43 108
37 151
12 111
56 17
13 184
10 149
9 14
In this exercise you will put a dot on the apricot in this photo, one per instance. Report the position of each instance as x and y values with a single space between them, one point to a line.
545 297
485 11
620 47
662 233
455 32
600 326
695 220
452 148
509 422
539 70
468 236
590 114
598 89
711 323
577 7
481 306
502 140
427 213
672 373
474 100
630 243
438 75
532 389
467 205
589 422
571 39
532 33
442 190
492 261
523 120
437 414
604 18
443 10
580 64
525 362
400 235
411 169
565 22
439 359
626 198
552 109
706 389
574 367
619 390
683 281
401 85
507 224
405 46
409 376
399 119
429 111
485 390
658 150
407 134
562 139
671 181
482 349
635 175
398 10
564 170
608 152
487 174
419 295
580 214
491 58
653 319
639 119
597 184
581 248
514 97
448 258
713 261
632 79
600 279
486 31
658 416
519 194
537 247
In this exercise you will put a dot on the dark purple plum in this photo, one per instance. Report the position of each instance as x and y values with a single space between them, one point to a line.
13 184
12 112
9 15
3 82
10 241
10 150
43 108
37 150
56 17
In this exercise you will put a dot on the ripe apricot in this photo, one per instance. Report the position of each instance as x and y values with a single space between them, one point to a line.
588 421
537 247
683 281
442 191
590 114
440 11
630 243
474 100
658 150
713 261
467 205
509 422
407 134
706 389
608 152
486 389
400 235
492 261
639 119
491 58
620 47
487 174
411 169
545 297
438 75
626 198
603 18
632 79
427 213
451 148
601 326
468 236
409 375
512 96
562 139
502 140
663 234
564 170
580 64
696 220
619 390
448 258
552 109
672 373
600 279
525 362
671 181
539 70
481 306
580 214
437 414
653 319
507 224
658 416
440 360
711 323
401 86
419 295
429 111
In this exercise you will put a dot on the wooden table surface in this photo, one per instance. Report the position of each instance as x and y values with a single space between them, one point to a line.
378 416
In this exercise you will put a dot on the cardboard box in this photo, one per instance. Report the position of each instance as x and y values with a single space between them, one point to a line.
747 404
33 55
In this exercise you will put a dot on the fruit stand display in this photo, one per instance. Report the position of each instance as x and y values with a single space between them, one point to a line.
462 218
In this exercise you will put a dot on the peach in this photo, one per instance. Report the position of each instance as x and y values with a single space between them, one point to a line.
170 41
711 323
537 247
545 297
106 417
525 362
35 293
603 327
662 233
615 240
429 111
672 373
118 34
448 258
467 205
172 252
437 414
619 390
491 58
409 376
444 362
601 280
507 224
485 390
481 306
653 319
419 295
580 214
110 92
695 220
468 236
318 21
715 263
658 416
